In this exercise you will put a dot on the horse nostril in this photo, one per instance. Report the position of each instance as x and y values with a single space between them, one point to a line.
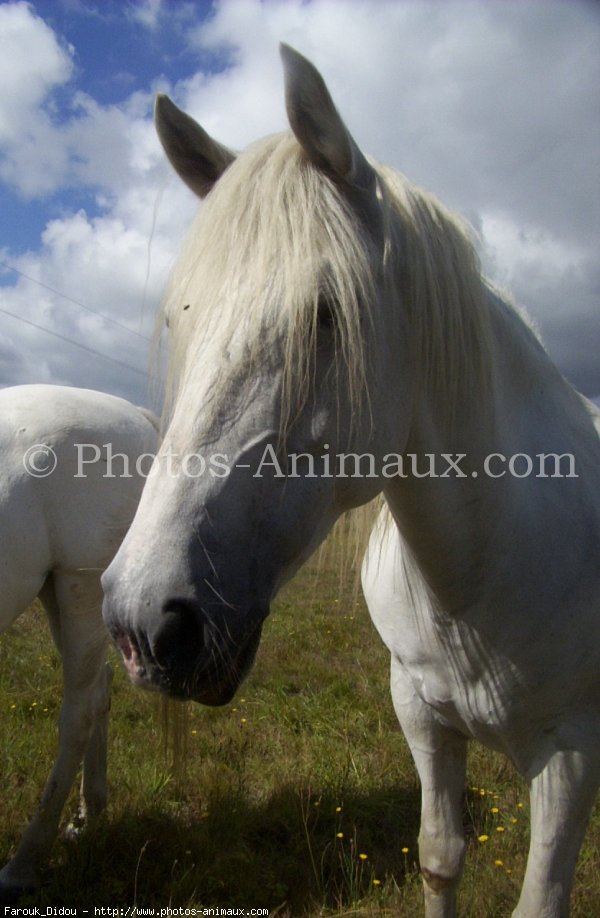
179 607
180 632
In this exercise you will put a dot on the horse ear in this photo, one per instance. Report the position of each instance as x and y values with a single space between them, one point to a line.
317 124
198 159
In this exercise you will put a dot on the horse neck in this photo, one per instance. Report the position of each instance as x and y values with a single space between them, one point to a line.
453 525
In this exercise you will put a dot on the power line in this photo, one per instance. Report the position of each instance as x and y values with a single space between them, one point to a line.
83 347
70 299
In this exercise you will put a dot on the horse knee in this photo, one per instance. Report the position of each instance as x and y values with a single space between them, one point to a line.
441 860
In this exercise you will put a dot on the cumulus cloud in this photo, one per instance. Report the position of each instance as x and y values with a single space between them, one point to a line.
33 62
146 12
114 273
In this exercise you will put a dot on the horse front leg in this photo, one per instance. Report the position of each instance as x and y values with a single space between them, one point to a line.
562 793
74 612
440 757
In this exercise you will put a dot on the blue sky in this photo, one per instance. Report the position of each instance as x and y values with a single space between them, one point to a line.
492 105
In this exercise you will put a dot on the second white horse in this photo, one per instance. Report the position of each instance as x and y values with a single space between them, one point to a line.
66 501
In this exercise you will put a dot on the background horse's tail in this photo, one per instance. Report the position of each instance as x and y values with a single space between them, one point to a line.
174 731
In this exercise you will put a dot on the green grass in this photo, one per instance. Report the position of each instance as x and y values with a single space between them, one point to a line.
279 793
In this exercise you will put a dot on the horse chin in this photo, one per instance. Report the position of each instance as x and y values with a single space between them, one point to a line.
216 693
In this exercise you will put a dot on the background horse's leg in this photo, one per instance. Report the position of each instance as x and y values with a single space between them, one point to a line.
94 792
73 605
562 795
440 757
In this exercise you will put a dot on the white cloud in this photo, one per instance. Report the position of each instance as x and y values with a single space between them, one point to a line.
32 63
513 251
106 268
146 12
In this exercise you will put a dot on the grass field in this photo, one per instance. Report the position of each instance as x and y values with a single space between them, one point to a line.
299 797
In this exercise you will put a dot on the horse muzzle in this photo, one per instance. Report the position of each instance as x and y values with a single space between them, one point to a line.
185 660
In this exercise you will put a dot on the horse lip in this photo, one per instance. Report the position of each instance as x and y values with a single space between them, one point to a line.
206 687
132 658
141 674
126 647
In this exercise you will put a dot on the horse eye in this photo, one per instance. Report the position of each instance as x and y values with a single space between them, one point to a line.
325 316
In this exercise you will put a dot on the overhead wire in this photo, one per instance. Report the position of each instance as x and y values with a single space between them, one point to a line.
83 347
65 338
75 302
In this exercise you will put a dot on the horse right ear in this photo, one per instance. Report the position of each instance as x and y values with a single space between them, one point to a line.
198 159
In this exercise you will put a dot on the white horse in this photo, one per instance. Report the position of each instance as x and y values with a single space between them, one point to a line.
62 519
334 339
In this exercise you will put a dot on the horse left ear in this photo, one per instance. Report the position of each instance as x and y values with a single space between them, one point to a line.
317 124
